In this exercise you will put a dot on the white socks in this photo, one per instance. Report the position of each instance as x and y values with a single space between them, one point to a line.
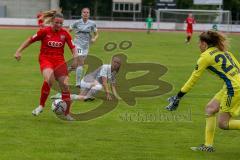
79 72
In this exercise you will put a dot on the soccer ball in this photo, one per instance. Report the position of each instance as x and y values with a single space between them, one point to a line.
59 106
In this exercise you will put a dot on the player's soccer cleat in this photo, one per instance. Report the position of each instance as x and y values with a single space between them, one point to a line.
56 96
37 111
173 103
78 86
68 117
204 148
89 99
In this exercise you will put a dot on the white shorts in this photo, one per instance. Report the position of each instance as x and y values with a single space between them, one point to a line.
81 51
88 85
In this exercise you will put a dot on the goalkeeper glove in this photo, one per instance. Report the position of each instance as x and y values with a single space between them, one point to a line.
174 101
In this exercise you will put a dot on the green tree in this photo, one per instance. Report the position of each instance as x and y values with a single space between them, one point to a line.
104 7
233 6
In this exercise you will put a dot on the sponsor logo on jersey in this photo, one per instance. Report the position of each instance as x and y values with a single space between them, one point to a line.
55 44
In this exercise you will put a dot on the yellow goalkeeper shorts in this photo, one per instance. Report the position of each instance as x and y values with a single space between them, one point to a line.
230 104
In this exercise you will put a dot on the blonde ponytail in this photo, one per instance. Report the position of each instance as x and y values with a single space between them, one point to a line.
48 16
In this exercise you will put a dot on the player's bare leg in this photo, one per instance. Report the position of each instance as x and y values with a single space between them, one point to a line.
95 87
226 122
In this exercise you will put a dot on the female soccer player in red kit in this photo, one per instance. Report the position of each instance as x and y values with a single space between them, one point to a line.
51 58
190 21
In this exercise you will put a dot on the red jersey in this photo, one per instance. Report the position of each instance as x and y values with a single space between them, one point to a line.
190 22
53 42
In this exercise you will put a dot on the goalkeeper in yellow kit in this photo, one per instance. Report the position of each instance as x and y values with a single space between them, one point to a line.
216 59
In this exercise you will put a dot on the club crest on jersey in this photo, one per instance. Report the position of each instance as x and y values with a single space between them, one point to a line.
62 37
55 44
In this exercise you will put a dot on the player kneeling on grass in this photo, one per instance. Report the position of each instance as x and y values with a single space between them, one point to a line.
95 81
215 58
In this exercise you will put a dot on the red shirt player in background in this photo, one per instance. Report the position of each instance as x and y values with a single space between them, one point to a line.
190 21
40 19
51 58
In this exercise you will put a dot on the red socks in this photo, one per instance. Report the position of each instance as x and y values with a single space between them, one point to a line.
44 93
67 99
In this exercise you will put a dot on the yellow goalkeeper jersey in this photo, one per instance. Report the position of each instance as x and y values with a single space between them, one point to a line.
223 64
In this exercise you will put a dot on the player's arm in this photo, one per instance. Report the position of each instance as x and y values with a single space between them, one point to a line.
106 89
72 26
70 29
113 86
75 58
71 45
73 50
38 36
202 64
114 91
24 45
95 34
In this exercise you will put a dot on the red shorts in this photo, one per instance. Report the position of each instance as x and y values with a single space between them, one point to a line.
57 63
189 31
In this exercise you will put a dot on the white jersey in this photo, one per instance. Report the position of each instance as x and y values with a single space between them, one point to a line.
103 71
83 33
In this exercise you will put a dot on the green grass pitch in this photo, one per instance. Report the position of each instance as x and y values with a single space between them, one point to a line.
110 137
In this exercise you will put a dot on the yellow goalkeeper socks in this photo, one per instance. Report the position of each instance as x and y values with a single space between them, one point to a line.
210 130
234 124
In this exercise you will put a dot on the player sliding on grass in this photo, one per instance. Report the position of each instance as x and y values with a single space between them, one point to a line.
51 58
95 81
83 29
216 59
190 21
